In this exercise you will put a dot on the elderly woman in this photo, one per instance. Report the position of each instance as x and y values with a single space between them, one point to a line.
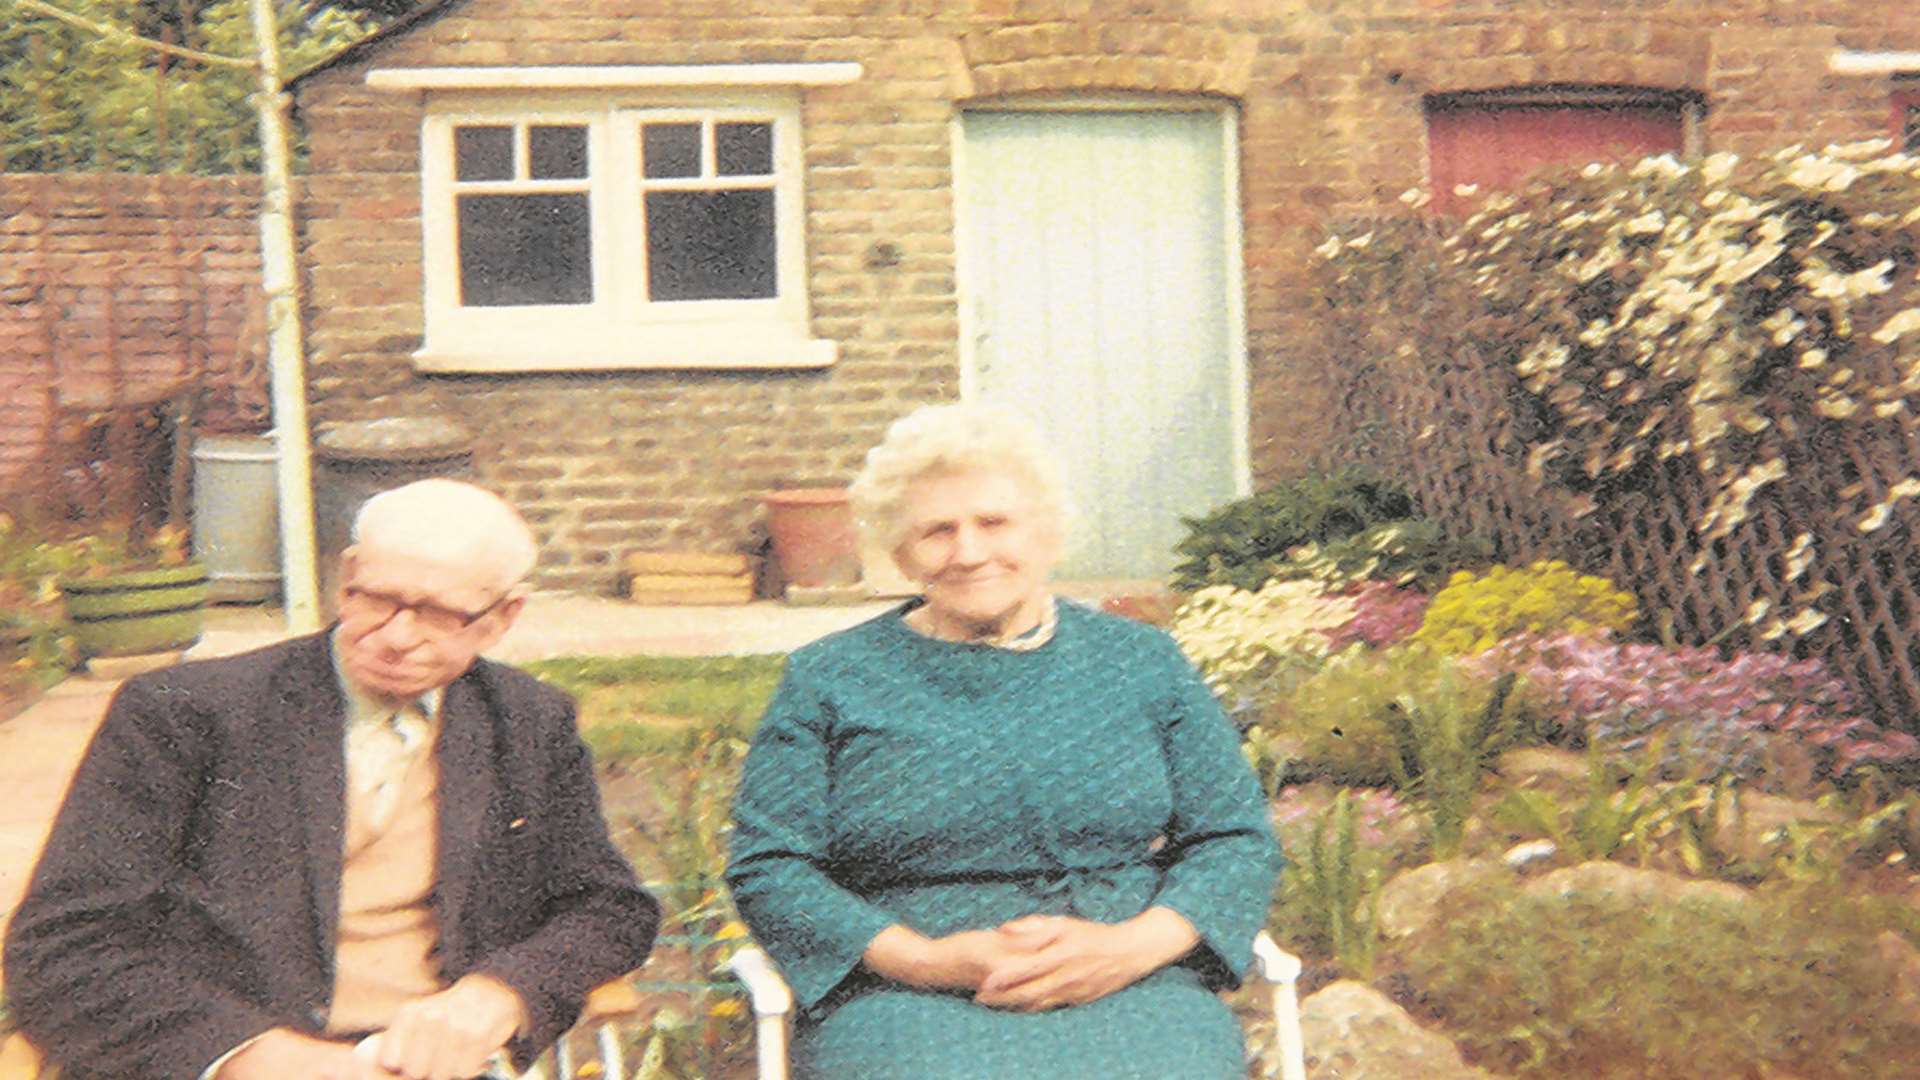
992 834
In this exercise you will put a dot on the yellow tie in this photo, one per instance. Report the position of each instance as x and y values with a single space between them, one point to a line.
379 749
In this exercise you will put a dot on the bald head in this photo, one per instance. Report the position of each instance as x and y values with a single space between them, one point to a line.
453 523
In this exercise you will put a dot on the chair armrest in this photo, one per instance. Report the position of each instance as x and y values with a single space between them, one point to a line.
1282 969
765 987
1273 963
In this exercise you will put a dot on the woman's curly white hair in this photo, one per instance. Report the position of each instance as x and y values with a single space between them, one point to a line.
952 438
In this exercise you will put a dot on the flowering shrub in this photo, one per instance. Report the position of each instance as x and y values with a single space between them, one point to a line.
1738 318
1411 552
1475 612
1384 614
1251 646
1703 714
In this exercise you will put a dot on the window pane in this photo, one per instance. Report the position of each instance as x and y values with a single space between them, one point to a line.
483 153
525 249
670 150
710 245
557 153
1910 132
743 149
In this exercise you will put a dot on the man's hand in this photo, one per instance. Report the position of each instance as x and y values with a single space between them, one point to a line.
1060 960
281 1053
451 1035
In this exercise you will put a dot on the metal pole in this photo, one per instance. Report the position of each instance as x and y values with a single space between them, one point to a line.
286 353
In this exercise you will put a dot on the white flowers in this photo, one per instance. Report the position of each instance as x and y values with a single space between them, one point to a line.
1333 245
1653 221
1821 173
1879 513
1716 168
1233 635
1665 165
1901 324
1828 285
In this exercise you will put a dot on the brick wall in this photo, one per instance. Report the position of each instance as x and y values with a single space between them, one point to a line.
114 289
1330 94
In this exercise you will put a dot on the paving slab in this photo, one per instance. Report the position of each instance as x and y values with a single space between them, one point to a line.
39 750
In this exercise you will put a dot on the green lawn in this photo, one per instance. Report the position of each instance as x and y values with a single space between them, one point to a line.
634 706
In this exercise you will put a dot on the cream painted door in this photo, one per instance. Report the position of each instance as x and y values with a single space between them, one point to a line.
1095 252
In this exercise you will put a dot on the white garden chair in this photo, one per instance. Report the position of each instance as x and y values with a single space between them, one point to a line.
772 1004
609 1006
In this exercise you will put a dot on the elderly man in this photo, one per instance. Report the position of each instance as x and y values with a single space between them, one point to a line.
362 854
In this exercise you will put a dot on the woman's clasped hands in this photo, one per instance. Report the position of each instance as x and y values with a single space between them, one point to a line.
1038 962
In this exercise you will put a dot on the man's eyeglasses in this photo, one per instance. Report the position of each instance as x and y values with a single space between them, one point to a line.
435 618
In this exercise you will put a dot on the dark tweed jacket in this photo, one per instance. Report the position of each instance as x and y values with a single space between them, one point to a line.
189 895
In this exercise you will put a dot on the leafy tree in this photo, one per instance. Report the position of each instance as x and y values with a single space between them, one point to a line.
74 99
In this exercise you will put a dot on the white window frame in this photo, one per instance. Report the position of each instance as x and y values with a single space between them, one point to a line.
620 328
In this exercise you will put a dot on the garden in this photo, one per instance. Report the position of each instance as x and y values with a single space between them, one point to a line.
43 558
1510 818
1590 736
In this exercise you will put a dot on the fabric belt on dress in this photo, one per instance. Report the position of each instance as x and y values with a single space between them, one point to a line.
1048 884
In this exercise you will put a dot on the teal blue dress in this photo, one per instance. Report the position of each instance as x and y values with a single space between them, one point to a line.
901 779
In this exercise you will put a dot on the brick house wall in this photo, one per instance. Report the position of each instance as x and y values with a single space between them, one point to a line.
1330 95
115 290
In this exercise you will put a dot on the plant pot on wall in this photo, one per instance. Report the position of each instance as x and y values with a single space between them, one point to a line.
813 536
138 611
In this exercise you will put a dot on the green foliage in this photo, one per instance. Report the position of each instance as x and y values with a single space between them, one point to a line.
1624 986
1475 612
1411 552
1350 721
1331 886
1737 320
74 100
1857 830
635 706
1242 543
1442 749
1622 809
35 554
681 849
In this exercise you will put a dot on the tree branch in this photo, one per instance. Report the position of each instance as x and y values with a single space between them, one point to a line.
105 30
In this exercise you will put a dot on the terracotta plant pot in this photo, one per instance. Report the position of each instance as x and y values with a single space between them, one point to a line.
142 611
813 536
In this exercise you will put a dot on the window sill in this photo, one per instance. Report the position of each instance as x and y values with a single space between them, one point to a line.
638 353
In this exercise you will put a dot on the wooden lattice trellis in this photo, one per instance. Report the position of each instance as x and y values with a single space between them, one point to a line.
1446 433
